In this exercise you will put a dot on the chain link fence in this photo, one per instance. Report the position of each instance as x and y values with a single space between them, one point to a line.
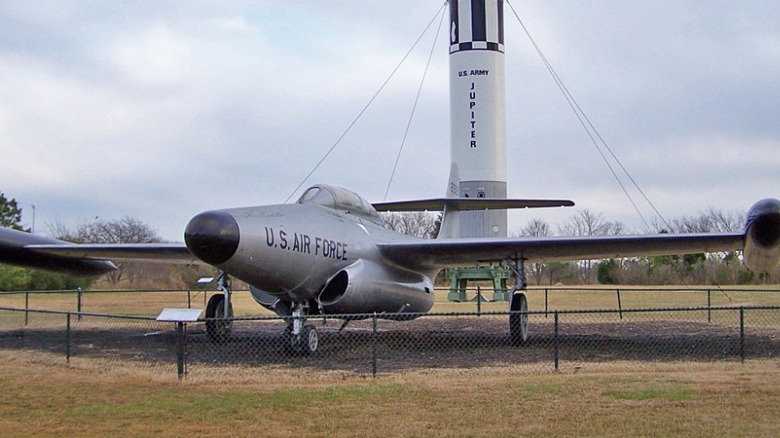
149 302
369 345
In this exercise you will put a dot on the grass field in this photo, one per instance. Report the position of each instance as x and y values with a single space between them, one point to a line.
682 399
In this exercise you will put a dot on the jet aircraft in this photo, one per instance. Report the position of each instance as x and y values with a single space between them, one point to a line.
329 254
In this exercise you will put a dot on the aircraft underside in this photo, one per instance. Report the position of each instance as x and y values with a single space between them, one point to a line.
344 296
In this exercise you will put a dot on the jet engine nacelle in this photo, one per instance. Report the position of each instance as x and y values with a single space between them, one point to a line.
367 287
762 236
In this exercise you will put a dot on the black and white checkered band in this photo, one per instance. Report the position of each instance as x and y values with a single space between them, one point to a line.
477 45
476 25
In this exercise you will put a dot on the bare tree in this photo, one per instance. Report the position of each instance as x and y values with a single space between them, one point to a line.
413 223
125 230
725 222
588 223
536 228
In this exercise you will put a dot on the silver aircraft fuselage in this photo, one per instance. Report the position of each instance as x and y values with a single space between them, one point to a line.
319 251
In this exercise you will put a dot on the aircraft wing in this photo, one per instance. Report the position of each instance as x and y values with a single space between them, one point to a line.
443 253
33 251
140 252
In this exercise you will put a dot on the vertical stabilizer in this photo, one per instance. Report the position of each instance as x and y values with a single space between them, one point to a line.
450 219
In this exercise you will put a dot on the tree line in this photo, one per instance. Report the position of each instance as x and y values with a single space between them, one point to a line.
690 269
715 268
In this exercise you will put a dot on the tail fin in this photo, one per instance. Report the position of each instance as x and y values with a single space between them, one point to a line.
450 218
453 204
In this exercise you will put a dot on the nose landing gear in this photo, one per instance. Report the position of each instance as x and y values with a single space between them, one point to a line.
219 311
298 337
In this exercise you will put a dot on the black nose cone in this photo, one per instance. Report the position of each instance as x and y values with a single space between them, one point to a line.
212 236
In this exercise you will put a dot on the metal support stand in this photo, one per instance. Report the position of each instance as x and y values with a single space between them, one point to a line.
459 278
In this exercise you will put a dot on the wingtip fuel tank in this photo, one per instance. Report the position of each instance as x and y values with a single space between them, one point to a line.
762 236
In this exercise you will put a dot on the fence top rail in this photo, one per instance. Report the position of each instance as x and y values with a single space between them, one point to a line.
107 291
629 288
773 289
65 312
410 316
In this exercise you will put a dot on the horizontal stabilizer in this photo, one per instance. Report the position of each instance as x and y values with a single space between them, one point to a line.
465 204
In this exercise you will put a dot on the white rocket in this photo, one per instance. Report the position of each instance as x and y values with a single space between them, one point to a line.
477 110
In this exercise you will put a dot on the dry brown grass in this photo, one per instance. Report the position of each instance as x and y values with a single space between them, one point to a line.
662 400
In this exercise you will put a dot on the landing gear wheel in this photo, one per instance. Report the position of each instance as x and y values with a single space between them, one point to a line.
305 343
309 340
518 322
218 325
289 341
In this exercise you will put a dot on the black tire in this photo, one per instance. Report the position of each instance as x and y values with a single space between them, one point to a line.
518 322
289 342
218 326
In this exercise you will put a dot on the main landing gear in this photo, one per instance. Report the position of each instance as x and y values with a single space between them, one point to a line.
219 311
298 337
518 305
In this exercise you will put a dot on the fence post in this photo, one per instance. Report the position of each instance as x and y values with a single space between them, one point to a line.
189 300
78 302
742 334
709 305
555 340
545 302
67 339
180 348
26 306
373 346
620 306
479 301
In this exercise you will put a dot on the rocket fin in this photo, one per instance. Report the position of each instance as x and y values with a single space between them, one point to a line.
450 219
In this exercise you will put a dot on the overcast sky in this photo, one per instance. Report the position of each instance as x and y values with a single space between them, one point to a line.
160 110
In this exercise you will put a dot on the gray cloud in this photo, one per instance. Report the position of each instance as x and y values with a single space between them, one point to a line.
159 111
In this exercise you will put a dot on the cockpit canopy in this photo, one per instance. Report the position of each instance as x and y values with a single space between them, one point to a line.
339 198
